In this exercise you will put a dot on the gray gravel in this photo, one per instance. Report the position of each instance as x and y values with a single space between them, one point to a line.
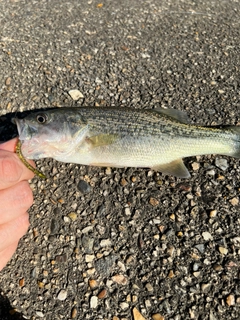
137 243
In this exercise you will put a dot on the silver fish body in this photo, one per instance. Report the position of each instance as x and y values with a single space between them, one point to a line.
122 137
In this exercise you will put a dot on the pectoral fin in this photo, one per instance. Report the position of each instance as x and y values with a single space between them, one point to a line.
175 168
102 139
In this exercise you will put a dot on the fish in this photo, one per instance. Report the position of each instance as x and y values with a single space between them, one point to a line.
123 137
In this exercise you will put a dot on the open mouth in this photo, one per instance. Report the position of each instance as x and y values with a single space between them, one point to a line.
20 126
25 131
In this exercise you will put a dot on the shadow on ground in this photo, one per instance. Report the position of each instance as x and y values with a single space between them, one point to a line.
7 312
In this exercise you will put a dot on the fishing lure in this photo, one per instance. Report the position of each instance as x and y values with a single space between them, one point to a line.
24 161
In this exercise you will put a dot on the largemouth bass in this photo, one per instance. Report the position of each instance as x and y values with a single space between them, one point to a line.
122 137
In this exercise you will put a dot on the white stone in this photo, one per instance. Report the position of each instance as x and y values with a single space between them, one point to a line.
75 94
39 314
89 257
62 295
94 302
105 243
207 236
124 305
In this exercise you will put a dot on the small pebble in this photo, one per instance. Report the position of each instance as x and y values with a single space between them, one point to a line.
217 267
205 287
121 266
72 216
124 305
230 300
75 94
211 172
8 81
120 279
195 166
54 226
223 250
93 302
123 182
73 313
66 219
234 201
39 314
200 247
40 284
84 187
127 211
61 258
89 257
213 213
196 274
221 163
87 229
21 282
93 284
171 274
172 216
137 315
102 294
153 201
195 266
149 287
148 303
157 316
62 295
108 171
105 243
207 236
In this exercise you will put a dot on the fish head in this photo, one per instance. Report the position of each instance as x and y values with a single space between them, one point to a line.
46 134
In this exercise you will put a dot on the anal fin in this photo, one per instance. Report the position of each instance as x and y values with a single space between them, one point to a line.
176 168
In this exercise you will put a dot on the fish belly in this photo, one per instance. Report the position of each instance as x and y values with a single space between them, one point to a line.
144 151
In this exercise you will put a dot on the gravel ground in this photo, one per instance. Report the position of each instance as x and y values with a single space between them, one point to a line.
119 244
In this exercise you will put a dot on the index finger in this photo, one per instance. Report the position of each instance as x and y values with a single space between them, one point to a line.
9 145
12 170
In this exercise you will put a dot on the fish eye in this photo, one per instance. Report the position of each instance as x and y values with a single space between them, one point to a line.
41 118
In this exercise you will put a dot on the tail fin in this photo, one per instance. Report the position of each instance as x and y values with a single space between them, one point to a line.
235 131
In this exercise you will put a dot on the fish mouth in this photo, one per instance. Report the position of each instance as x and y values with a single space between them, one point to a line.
20 126
25 131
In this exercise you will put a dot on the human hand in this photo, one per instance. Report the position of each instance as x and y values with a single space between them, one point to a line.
15 198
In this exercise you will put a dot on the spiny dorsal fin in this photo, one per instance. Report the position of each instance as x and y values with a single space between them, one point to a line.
176 168
178 115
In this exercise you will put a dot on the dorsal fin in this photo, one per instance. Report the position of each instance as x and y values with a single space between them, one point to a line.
178 115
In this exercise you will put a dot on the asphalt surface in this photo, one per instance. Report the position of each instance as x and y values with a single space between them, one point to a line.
106 242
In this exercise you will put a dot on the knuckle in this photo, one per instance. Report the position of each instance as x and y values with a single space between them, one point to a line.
26 195
24 222
23 197
14 230
9 169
